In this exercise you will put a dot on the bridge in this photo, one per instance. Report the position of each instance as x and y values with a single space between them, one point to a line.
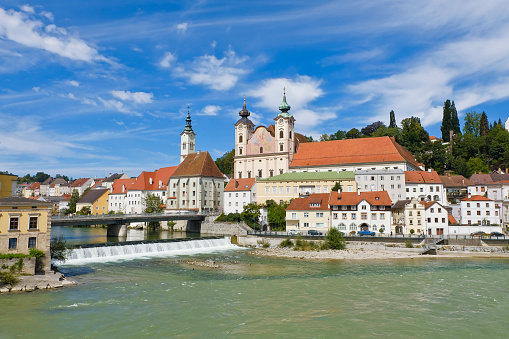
116 223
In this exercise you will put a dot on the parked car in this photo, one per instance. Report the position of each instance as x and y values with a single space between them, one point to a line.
477 234
366 232
314 232
497 234
293 232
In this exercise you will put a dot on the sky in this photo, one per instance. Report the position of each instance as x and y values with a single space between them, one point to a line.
89 88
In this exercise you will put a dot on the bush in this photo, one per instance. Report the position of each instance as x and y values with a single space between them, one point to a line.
412 231
7 278
408 244
334 240
264 243
286 243
220 218
17 266
38 255
305 245
59 249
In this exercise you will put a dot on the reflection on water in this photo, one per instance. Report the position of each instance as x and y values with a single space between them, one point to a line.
97 235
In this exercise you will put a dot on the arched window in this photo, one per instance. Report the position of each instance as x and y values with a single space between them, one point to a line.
353 227
281 135
342 227
261 149
435 198
429 197
249 174
191 145
281 147
240 151
259 173
271 173
240 175
184 145
240 138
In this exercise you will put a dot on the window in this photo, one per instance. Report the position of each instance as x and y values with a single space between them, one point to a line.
419 222
415 189
271 173
364 216
354 216
443 220
274 190
280 190
287 189
432 210
334 215
261 149
32 224
431 188
354 208
342 226
478 204
436 220
240 150
266 190
381 208
14 224
364 207
487 205
382 216
240 139
240 175
281 134
249 174
306 215
236 194
32 242
13 243
294 216
319 214
260 173
244 194
468 204
306 224
487 212
353 227
468 212
343 208
295 190
343 215
281 147
373 216
478 212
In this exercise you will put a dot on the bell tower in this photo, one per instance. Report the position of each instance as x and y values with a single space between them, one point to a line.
284 128
187 139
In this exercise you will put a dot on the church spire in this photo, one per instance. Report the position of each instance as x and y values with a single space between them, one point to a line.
284 107
244 113
188 128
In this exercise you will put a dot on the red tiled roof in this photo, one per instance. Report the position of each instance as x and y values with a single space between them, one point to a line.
79 182
427 204
150 180
452 220
240 185
422 177
118 184
376 198
303 204
198 165
351 151
455 181
35 185
476 198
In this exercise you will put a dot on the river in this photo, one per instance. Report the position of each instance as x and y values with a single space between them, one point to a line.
253 297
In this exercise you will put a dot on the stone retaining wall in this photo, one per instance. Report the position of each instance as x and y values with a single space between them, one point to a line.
208 226
28 265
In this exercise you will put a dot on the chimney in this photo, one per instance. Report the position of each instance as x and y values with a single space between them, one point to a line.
236 184
429 170
507 171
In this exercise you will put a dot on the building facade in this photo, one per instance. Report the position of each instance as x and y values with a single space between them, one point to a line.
239 193
425 186
187 139
390 180
309 213
8 183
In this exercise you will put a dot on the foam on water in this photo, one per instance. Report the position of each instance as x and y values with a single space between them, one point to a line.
119 252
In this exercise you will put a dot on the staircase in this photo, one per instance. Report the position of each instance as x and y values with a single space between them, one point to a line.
430 246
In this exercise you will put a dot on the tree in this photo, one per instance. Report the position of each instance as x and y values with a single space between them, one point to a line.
392 123
370 129
59 249
152 204
353 134
477 165
446 121
337 187
309 139
334 240
455 122
75 197
324 137
250 214
276 216
472 123
226 163
413 136
339 135
85 210
484 126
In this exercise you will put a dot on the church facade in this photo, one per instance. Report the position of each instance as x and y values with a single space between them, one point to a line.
263 152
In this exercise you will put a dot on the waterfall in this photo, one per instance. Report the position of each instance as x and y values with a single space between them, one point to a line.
145 249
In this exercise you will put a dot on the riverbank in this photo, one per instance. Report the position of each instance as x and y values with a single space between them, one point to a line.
377 251
30 283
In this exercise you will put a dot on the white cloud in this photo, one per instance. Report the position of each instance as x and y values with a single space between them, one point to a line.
210 110
71 96
300 92
137 97
167 60
36 89
219 74
48 15
27 9
213 44
116 105
73 83
88 101
182 27
136 49
20 28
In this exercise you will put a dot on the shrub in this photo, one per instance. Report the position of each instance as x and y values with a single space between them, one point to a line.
264 243
17 266
59 249
334 240
286 243
305 245
412 231
7 278
38 255
408 244
220 218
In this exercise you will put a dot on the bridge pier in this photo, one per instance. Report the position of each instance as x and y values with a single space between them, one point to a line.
116 230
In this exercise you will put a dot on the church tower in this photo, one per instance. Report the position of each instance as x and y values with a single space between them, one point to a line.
243 132
284 129
187 139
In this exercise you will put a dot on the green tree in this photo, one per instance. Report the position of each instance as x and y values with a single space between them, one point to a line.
75 197
276 216
337 187
472 123
437 157
226 163
413 136
392 123
484 126
250 214
334 240
455 122
309 139
446 121
152 204
339 135
477 165
372 128
59 249
324 137
353 134
85 210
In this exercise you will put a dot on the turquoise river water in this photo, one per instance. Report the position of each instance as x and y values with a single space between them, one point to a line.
254 297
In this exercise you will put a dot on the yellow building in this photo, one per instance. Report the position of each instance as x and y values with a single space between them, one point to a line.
7 185
25 224
309 214
96 200
287 186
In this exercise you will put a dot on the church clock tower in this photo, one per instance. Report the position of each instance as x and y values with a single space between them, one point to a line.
187 139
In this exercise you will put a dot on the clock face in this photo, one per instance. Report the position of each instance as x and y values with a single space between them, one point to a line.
240 126
280 121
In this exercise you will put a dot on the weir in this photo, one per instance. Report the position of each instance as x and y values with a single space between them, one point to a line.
145 248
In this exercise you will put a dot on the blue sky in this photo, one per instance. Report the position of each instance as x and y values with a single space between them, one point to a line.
92 87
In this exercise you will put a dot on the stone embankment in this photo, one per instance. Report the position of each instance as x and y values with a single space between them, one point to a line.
30 283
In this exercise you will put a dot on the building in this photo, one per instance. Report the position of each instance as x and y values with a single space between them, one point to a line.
8 184
34 190
118 194
390 180
355 211
187 139
437 219
265 151
424 186
80 185
96 200
287 186
479 210
239 193
456 187
408 215
353 155
197 184
309 213
108 182
25 224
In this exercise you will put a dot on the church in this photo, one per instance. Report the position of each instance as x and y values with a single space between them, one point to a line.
263 152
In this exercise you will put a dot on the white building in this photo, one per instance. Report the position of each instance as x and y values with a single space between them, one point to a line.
425 186
239 193
479 210
352 212
436 218
390 180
